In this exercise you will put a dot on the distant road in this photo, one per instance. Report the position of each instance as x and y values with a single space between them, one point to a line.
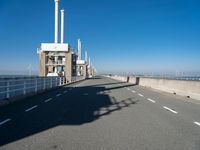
101 114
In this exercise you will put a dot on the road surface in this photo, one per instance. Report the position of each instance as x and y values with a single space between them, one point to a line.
101 114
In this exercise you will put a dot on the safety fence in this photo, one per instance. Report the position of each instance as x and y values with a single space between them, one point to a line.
12 87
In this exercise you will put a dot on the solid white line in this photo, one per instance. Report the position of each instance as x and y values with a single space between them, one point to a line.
167 108
58 95
3 122
141 95
153 101
48 100
197 123
133 91
29 109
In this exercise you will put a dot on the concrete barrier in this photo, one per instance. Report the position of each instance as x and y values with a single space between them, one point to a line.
120 78
180 87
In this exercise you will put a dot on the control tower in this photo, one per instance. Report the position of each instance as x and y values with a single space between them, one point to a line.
81 65
57 59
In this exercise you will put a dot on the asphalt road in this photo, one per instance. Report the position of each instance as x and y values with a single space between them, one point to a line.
101 114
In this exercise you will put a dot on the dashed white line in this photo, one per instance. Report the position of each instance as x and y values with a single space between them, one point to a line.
133 91
197 123
128 89
153 101
48 100
65 91
29 109
58 95
167 108
5 121
141 95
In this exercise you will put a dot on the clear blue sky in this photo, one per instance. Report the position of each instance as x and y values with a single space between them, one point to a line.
120 35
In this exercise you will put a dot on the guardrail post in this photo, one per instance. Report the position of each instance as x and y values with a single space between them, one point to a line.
24 87
60 82
44 85
8 89
55 82
63 80
51 83
36 86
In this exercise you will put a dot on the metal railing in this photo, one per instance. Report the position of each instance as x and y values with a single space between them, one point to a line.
21 86
78 78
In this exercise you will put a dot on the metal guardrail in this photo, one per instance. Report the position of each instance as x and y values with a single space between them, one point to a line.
21 86
77 78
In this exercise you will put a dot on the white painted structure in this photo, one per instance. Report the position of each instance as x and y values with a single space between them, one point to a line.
54 47
56 58
79 50
62 26
56 20
89 62
80 62
56 51
86 56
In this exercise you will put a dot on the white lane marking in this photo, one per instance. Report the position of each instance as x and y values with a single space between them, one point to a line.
58 95
65 91
141 95
197 123
133 91
85 94
70 89
29 109
153 101
167 108
48 100
128 89
3 122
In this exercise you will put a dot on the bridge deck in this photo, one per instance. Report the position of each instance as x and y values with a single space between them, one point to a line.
101 113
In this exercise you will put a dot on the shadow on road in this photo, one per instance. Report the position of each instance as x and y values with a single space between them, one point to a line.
81 105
